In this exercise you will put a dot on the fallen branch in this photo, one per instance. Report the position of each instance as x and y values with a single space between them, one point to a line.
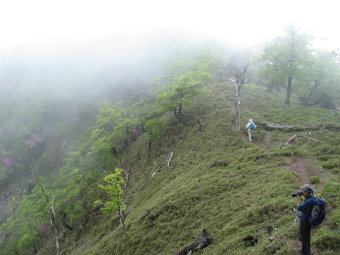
205 240
157 170
293 138
269 125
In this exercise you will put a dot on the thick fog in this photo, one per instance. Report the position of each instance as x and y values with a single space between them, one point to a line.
82 73
58 25
84 47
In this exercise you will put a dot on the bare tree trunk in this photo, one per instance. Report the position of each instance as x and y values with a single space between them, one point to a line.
55 232
289 89
178 112
169 158
121 216
239 80
236 107
55 229
121 219
179 116
127 175
52 221
175 112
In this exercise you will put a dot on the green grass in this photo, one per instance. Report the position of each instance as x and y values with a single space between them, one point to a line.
217 183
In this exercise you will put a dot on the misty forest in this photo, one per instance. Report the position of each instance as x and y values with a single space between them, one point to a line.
145 151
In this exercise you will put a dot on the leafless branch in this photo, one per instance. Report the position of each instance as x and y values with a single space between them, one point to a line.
169 158
294 137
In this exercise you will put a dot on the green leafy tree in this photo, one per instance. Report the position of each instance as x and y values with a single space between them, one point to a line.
287 58
184 88
115 190
320 84
32 211
27 242
270 68
154 128
112 131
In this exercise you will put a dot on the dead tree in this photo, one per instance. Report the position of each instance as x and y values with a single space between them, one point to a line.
121 218
268 125
52 221
238 78
205 240
169 158
294 137
127 175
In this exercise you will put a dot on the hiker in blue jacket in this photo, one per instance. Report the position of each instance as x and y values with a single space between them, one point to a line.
305 208
250 126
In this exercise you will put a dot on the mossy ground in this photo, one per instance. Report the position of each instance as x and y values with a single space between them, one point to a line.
217 182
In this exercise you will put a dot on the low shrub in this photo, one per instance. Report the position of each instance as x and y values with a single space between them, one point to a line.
330 164
330 149
331 191
327 239
334 219
335 170
325 157
327 252
314 179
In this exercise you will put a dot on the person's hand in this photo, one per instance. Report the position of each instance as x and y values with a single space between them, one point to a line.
299 201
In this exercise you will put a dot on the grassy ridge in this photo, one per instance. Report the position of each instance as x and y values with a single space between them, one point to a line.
217 183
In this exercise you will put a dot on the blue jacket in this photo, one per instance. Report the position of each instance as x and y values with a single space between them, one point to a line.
305 208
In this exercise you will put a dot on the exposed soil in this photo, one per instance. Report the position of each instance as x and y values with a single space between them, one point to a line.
304 168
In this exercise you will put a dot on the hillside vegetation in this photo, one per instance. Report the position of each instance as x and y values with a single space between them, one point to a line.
218 182
185 169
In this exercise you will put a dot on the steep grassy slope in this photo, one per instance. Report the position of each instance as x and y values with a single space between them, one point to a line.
218 182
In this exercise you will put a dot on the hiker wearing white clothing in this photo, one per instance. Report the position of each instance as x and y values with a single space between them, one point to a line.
250 126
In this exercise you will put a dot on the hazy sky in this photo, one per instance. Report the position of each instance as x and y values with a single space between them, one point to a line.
59 24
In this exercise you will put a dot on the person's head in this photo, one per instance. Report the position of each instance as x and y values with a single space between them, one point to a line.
307 190
251 120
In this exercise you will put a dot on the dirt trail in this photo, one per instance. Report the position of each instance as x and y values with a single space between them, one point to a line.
304 169
299 164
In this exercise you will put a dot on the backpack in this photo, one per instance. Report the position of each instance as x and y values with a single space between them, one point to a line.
252 125
318 212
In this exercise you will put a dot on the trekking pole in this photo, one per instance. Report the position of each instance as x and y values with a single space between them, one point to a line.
295 220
